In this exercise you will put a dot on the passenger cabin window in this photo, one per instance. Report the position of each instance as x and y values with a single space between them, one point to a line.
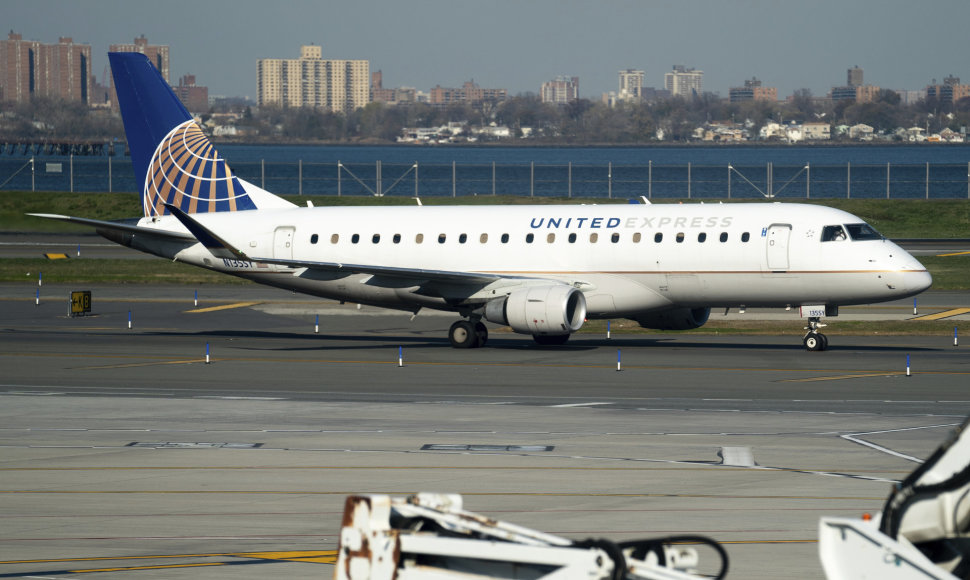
615 237
314 239
483 238
833 234
702 237
551 238
859 232
593 238
745 237
529 238
354 238
658 237
396 239
724 237
418 238
505 238
680 237
334 238
572 238
636 238
376 239
442 238
462 238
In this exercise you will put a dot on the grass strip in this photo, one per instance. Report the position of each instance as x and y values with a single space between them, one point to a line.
894 218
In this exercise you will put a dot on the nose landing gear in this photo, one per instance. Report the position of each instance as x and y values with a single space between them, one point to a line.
813 339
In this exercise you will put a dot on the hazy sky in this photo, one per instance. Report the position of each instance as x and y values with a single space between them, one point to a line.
519 44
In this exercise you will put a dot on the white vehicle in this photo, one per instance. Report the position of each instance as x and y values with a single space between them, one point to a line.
541 270
430 536
923 531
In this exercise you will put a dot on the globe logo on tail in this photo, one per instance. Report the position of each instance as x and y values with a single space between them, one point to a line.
187 172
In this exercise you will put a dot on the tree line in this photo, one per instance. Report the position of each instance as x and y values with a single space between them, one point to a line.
581 122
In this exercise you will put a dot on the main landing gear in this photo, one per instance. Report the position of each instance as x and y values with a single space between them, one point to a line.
468 334
815 340
472 333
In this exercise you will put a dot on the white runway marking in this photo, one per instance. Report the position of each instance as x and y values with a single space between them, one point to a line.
853 437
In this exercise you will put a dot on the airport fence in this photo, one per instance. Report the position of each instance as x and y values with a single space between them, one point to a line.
687 181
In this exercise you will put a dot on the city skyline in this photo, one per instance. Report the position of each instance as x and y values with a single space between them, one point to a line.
501 43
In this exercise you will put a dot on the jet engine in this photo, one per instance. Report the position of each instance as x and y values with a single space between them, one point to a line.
540 310
678 319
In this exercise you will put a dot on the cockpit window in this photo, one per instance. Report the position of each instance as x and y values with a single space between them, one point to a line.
862 232
833 234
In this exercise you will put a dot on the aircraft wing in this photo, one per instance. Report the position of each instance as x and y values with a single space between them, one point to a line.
119 226
414 274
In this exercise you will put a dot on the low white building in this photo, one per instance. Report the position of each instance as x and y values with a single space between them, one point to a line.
862 132
817 131
773 131
493 131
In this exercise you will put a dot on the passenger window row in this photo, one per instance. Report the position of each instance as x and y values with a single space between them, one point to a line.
530 238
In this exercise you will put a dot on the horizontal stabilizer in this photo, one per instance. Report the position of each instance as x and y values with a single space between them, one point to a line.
130 226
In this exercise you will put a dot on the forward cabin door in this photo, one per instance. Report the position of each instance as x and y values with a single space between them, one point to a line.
283 242
777 247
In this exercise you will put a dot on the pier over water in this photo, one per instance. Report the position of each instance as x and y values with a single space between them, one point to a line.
80 147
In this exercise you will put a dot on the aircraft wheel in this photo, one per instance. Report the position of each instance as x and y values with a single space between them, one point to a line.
462 335
825 341
550 339
481 332
814 341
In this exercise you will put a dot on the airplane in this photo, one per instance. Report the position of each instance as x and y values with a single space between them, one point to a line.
540 270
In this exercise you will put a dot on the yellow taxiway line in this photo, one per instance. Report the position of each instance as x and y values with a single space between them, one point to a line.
843 377
223 307
943 314
952 254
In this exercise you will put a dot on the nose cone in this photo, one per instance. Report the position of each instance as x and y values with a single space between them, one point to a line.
910 277
917 281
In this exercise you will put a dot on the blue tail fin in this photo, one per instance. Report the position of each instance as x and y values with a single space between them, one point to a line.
170 155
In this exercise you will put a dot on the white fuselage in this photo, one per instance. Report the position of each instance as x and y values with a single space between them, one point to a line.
627 259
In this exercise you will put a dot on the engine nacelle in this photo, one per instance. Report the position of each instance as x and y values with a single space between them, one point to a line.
540 310
678 319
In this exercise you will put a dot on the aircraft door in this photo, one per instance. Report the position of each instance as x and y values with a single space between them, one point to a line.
777 246
283 242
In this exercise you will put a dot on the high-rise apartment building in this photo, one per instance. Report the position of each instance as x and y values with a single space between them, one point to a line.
19 61
69 70
752 91
631 85
157 53
194 97
392 96
949 92
560 90
854 77
339 86
859 94
31 69
468 93
684 82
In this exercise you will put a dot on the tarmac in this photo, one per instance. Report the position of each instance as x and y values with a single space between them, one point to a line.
124 453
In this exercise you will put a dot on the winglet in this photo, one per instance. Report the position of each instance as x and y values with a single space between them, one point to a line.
219 247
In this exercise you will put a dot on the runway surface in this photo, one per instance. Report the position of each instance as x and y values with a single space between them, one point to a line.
123 454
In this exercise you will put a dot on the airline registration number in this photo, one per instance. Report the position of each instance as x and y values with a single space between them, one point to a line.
814 311
238 264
